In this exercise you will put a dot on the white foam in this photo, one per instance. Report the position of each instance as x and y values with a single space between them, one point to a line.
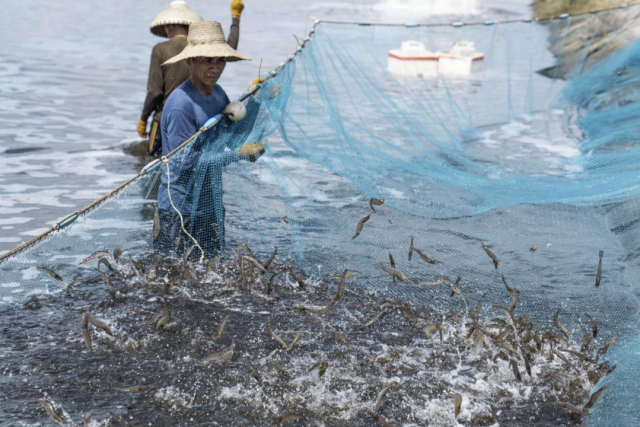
30 273
428 6
5 202
558 146
11 285
573 168
489 141
33 233
38 174
85 195
513 129
60 164
253 395
18 194
392 193
13 211
10 240
14 220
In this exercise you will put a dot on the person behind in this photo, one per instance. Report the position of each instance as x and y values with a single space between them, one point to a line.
196 175
174 24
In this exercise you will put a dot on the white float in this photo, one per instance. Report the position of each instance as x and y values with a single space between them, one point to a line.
412 59
461 60
235 111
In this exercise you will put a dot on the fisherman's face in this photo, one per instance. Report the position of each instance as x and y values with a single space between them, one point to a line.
207 70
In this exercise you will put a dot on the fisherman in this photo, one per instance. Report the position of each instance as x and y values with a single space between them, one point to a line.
192 184
174 24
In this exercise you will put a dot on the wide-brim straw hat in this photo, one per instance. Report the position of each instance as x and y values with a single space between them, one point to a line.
206 39
177 14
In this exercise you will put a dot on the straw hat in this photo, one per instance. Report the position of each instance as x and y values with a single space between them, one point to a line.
177 14
206 39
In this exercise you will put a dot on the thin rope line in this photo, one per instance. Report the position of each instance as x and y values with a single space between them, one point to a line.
166 163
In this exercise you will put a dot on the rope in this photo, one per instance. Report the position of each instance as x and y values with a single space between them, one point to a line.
165 161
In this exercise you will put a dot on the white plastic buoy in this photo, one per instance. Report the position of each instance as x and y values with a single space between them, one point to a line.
235 111
414 60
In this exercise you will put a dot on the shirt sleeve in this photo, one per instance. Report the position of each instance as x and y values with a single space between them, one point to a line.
180 128
225 97
234 33
155 90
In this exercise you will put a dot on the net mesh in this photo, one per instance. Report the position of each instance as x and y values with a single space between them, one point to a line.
538 148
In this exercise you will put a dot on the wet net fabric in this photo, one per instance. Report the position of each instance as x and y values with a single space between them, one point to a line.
538 148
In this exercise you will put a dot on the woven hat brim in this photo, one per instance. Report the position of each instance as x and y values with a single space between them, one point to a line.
157 28
209 50
177 16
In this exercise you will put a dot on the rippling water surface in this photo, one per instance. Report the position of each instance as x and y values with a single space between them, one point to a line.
72 82
323 368
73 79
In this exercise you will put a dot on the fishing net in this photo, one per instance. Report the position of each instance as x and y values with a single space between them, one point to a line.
534 155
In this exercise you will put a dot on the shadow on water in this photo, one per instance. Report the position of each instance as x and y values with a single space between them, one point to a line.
139 150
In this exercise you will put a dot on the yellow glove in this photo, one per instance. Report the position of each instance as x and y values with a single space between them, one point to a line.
250 152
236 8
257 80
142 129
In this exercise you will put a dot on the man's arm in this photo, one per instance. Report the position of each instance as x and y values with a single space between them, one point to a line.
155 90
180 128
234 34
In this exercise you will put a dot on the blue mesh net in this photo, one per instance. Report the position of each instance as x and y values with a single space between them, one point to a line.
538 148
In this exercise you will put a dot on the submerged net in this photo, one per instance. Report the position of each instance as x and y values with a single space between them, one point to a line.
534 156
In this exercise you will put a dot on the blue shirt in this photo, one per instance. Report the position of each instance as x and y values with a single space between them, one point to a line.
186 111
196 170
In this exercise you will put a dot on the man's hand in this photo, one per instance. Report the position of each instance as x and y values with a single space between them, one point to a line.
250 152
236 8
142 129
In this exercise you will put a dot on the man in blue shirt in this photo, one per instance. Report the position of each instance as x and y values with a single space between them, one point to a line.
192 182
